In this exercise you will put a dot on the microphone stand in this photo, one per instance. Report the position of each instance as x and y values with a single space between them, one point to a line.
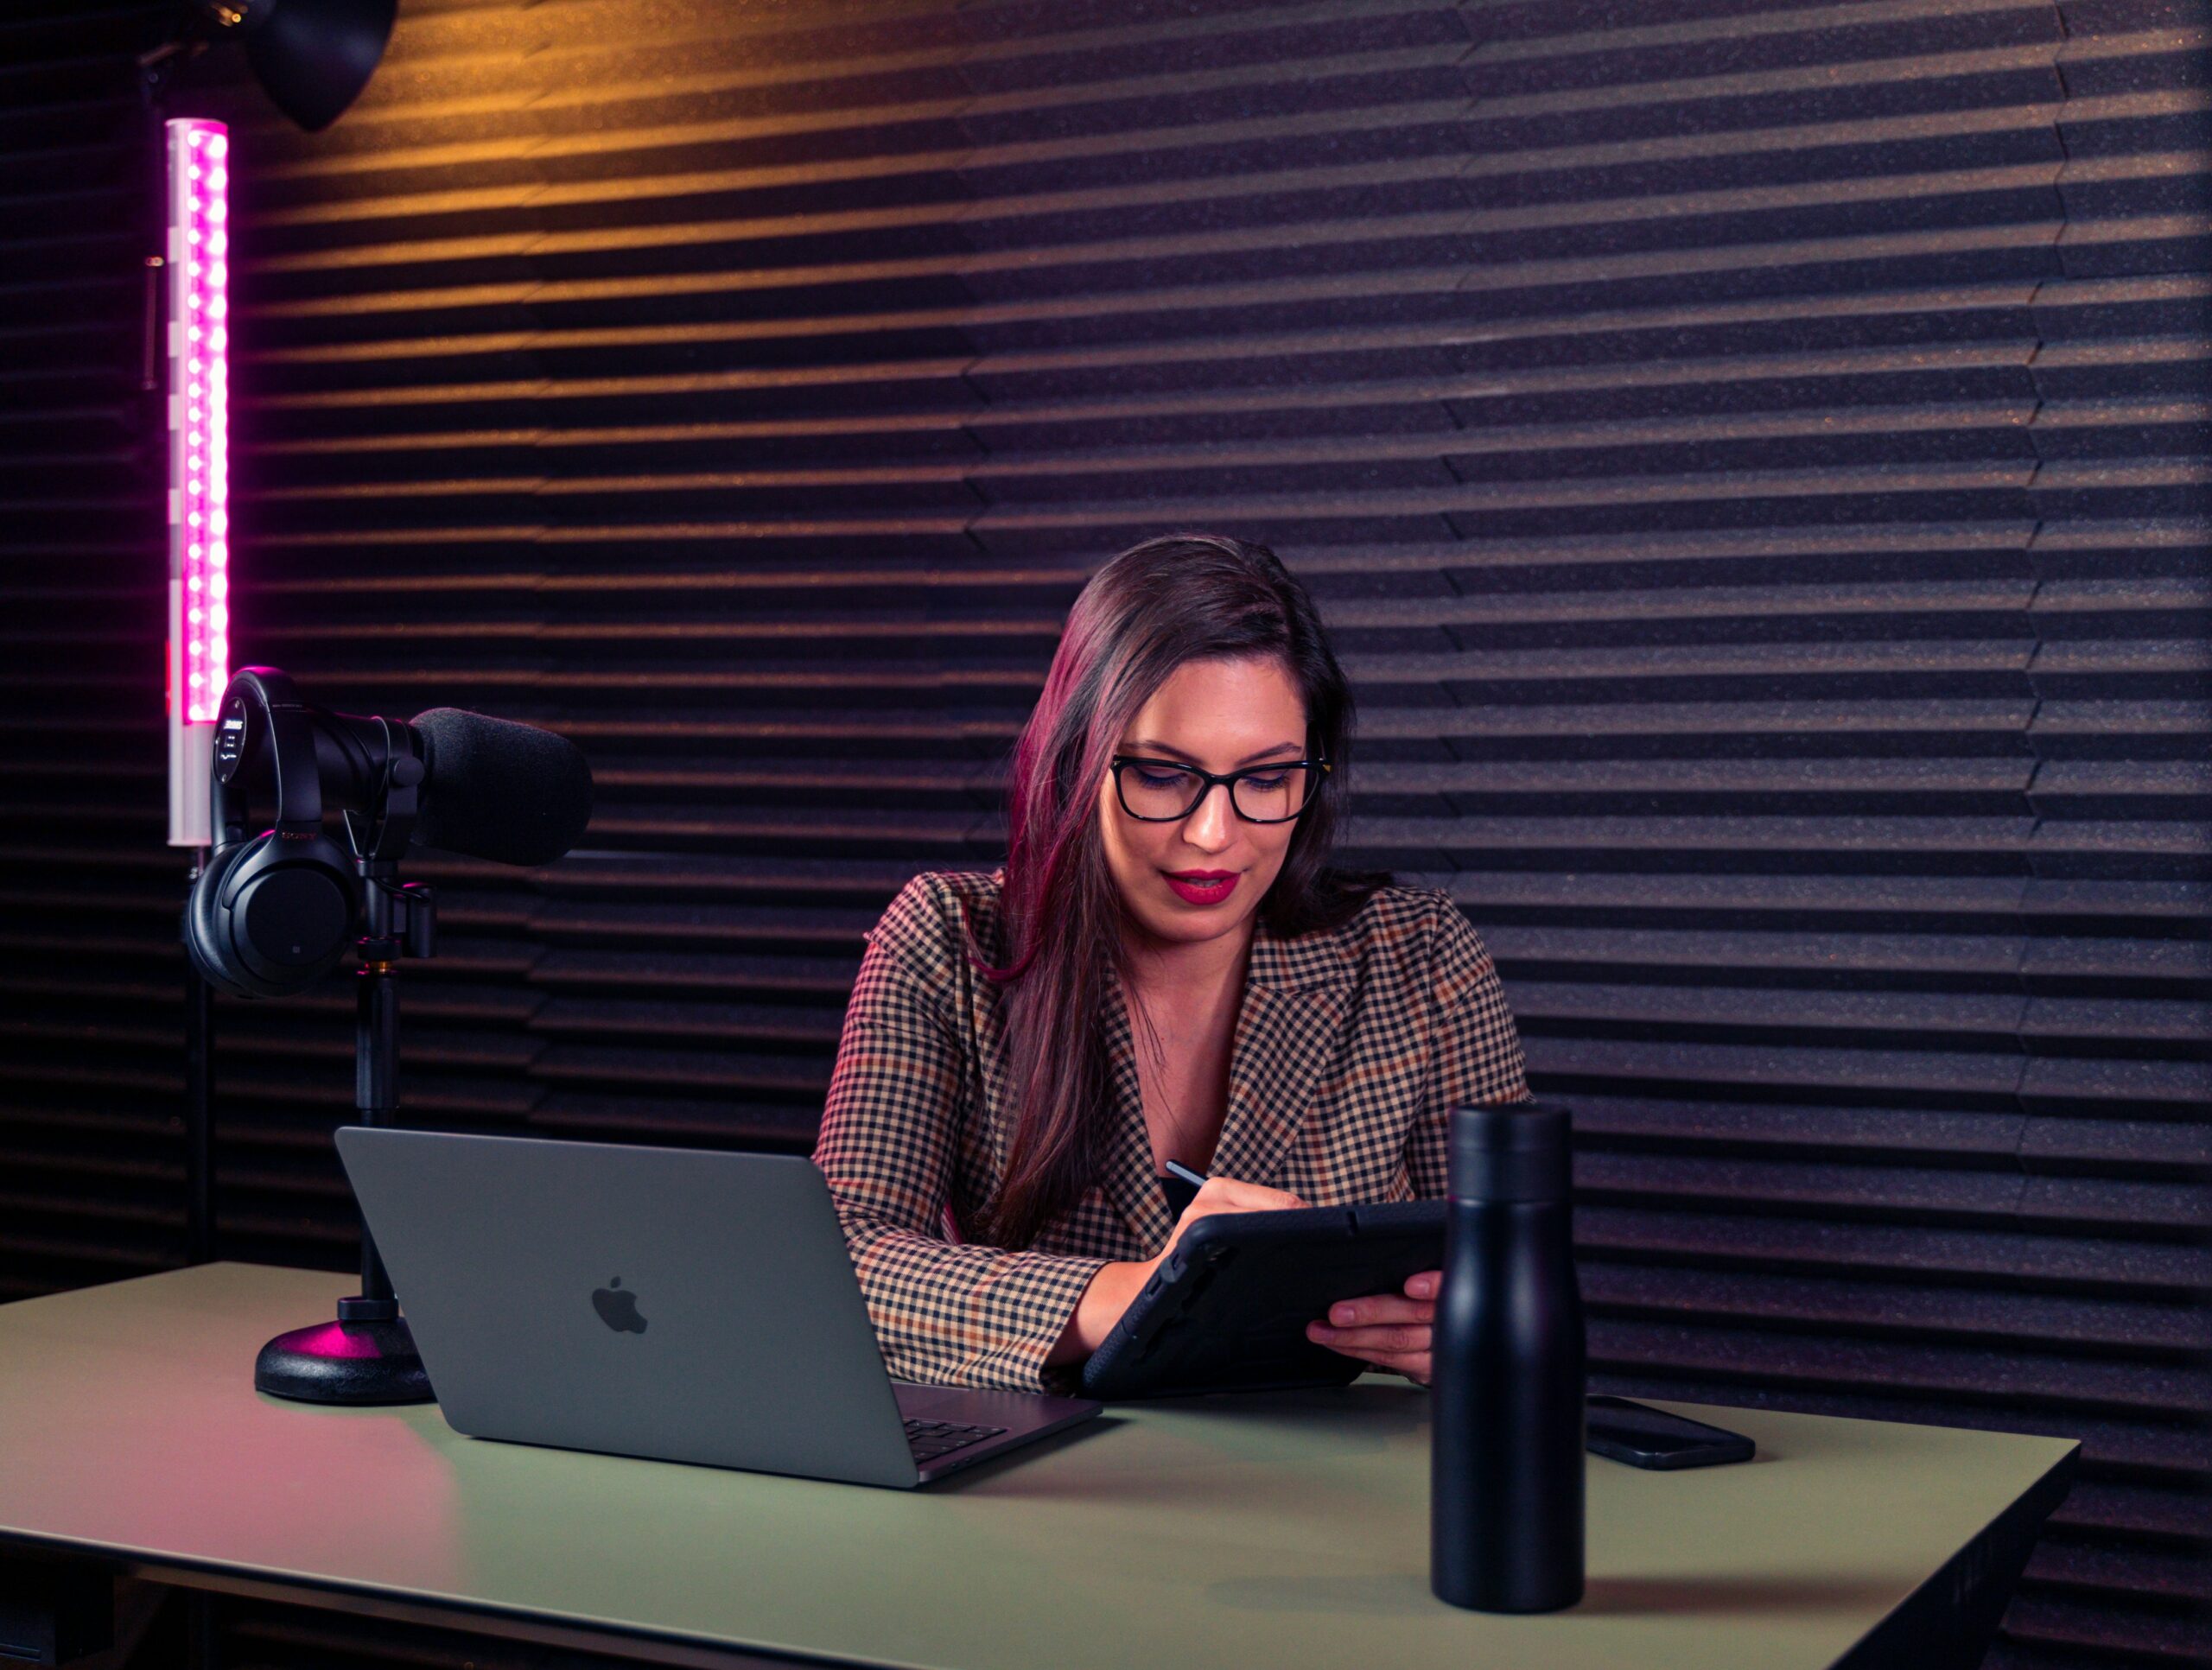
368 1354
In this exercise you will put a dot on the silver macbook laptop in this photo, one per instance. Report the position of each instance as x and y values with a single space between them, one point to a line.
681 1304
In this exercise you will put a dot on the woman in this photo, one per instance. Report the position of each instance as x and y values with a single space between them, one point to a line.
1166 968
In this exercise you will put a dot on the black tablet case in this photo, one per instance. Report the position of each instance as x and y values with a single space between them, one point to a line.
1228 1310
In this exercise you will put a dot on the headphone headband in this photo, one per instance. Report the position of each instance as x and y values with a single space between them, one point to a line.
286 734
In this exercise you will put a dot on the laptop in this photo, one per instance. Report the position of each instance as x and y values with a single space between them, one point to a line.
686 1304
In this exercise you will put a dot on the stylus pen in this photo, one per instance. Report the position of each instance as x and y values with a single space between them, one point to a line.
1187 1174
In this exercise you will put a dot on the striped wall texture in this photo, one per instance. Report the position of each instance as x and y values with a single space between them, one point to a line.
1753 457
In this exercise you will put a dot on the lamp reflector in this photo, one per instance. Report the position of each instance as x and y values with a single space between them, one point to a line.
312 57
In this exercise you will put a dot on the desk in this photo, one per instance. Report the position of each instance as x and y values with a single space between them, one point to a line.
1279 1529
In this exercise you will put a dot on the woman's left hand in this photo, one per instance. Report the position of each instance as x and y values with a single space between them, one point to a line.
1391 1330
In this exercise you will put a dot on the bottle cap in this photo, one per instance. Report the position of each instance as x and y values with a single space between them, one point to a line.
1515 1151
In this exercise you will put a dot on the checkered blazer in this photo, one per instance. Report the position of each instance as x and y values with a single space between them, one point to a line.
1350 1047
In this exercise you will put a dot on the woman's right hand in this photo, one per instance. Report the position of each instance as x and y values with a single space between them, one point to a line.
1116 1286
1223 1194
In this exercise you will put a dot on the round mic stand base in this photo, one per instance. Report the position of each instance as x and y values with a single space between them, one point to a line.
352 1360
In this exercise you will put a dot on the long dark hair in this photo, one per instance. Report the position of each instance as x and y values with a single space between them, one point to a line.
1181 597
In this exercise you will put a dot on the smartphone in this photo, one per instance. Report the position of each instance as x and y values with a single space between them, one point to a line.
1644 1437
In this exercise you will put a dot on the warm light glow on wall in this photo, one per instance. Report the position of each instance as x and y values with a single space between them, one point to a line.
199 402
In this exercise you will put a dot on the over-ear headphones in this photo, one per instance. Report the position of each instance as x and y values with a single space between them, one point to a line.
270 915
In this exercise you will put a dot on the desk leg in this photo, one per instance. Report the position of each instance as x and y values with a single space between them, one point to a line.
202 1648
52 1610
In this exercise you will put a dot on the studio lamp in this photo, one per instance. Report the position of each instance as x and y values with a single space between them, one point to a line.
311 57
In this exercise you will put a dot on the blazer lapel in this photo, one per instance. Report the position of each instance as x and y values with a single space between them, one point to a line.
1130 1182
1296 998
1295 995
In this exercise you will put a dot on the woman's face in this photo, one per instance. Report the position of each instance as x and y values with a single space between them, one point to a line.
1221 715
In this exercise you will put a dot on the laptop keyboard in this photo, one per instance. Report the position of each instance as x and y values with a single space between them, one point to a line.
930 1439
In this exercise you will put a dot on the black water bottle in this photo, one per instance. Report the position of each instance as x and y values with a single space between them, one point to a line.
1505 1459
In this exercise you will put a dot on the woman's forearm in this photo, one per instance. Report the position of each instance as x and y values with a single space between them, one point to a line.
1099 1309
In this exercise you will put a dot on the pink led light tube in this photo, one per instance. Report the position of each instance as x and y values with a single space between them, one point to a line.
200 400
198 258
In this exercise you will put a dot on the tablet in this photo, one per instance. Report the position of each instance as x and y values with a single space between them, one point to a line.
1227 1310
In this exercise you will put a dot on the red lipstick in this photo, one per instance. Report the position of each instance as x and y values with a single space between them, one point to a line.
1202 886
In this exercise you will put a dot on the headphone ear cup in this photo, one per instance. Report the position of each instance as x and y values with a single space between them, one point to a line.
288 927
291 916
206 931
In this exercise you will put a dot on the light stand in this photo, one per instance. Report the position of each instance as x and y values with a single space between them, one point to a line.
198 1115
368 1355
193 265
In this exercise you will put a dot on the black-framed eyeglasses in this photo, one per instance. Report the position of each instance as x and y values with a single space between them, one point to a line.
1164 790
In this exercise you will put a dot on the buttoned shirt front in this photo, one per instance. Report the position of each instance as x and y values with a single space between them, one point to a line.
1352 1045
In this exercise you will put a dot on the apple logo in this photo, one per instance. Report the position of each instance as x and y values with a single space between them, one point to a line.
617 1308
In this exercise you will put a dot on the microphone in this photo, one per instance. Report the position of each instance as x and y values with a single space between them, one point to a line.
498 789
492 788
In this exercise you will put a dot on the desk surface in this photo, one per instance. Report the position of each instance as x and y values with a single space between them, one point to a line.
1276 1529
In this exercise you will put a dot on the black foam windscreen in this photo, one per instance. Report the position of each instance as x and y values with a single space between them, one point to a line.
497 790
